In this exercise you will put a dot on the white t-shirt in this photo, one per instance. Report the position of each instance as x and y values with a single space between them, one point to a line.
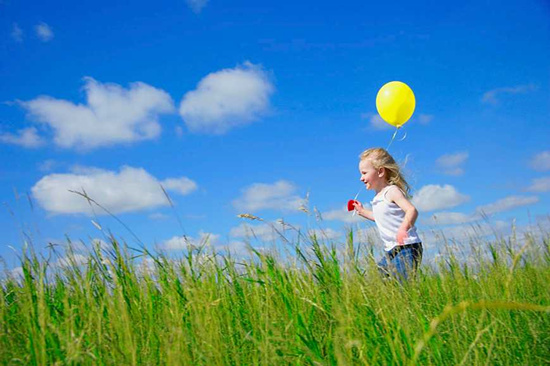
388 217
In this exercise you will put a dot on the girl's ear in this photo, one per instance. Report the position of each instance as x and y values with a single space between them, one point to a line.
381 172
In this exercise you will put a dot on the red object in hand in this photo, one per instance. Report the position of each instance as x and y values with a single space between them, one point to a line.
350 205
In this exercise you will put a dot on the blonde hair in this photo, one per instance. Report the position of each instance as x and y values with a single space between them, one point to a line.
380 158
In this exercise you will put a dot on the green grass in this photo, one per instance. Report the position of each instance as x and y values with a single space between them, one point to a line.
325 305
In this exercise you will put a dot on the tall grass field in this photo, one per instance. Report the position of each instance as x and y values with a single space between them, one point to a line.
321 303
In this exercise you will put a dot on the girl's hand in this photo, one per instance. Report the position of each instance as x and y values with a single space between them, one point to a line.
401 236
362 211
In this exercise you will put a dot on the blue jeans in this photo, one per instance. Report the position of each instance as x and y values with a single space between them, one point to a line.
401 262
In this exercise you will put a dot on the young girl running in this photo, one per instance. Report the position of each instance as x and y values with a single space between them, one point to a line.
392 212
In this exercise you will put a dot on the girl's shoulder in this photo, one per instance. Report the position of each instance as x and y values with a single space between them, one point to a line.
393 192
383 194
380 195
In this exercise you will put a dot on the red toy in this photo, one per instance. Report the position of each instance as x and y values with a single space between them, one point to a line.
350 205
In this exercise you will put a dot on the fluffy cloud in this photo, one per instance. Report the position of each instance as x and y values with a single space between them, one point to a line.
325 234
506 204
70 261
540 185
451 164
181 243
463 234
425 119
44 32
112 115
367 236
435 197
181 185
16 33
451 218
277 196
541 161
227 99
27 137
197 5
158 216
131 189
342 215
102 244
262 232
237 248
47 165
491 97
376 122
17 273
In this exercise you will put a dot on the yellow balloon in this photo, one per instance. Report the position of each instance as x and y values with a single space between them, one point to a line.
395 103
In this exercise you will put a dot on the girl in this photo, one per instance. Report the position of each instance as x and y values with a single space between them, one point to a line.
392 212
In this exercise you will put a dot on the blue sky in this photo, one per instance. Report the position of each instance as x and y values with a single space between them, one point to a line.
245 107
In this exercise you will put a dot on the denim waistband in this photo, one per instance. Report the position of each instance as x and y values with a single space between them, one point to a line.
396 249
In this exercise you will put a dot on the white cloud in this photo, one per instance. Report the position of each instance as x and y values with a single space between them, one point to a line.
47 165
342 215
451 164
27 137
376 121
181 185
17 273
101 243
367 236
176 243
463 234
267 232
540 185
180 242
262 232
16 33
541 161
197 5
71 260
146 267
44 32
435 197
236 247
469 242
506 204
491 97
158 216
277 196
227 99
325 234
425 119
131 189
451 218
112 115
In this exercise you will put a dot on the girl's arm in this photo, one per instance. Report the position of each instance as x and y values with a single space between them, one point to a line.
363 211
411 214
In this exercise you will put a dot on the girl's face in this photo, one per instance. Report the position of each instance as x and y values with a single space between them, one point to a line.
373 178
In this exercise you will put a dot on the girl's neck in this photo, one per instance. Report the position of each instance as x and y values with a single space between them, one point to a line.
381 187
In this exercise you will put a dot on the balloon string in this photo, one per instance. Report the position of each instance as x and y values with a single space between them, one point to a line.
393 137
